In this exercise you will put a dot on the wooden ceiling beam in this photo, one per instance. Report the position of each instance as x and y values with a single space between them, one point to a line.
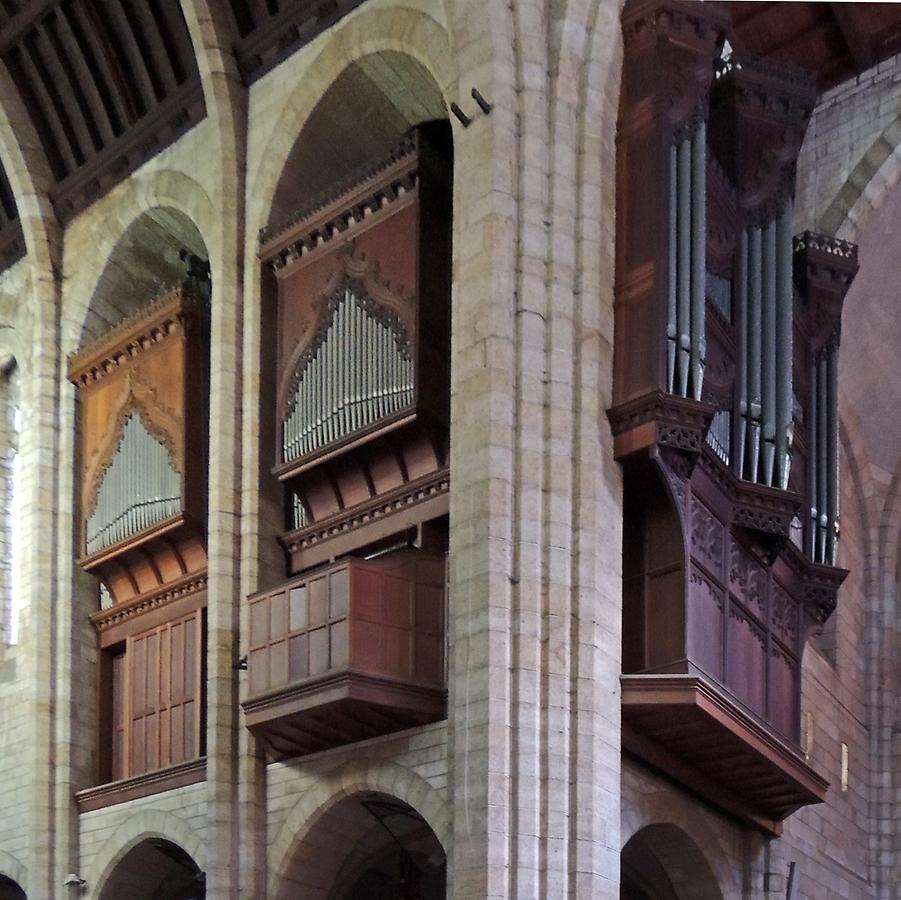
857 41
31 13
85 79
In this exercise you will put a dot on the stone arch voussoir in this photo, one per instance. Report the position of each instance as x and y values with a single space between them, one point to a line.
12 868
406 31
345 781
869 181
147 823
672 809
138 194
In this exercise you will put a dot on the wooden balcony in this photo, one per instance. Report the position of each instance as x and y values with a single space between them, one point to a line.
348 652
696 733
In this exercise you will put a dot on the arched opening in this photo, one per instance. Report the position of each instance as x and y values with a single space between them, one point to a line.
9 890
661 862
158 250
368 846
155 869
363 114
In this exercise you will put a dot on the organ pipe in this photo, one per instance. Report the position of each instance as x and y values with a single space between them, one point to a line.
742 370
784 327
140 489
687 257
683 231
822 451
768 352
831 363
671 328
358 375
698 255
754 351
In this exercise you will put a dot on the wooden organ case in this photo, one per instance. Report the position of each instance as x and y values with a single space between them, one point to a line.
354 644
143 397
724 413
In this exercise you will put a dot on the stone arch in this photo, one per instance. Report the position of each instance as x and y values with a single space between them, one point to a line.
662 862
342 783
12 868
679 822
875 173
409 32
139 827
131 199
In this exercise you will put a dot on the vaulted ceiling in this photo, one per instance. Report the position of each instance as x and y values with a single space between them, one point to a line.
109 83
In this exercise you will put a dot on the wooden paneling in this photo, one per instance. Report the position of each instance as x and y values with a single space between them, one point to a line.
156 695
360 640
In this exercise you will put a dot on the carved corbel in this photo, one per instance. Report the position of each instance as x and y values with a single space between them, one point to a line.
824 268
759 114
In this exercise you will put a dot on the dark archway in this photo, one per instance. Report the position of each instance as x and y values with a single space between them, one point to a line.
153 253
661 862
368 846
9 890
155 869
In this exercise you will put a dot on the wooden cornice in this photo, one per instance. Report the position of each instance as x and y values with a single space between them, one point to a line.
138 786
137 332
346 208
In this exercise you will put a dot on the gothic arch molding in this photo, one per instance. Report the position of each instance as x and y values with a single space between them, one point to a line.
127 202
866 186
12 868
666 809
408 32
345 781
148 823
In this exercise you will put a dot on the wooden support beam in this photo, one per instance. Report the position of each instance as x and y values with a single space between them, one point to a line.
859 45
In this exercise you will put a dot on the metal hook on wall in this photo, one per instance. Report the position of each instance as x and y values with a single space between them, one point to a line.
467 120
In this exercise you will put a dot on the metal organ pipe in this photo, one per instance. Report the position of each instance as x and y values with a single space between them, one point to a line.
754 351
139 489
784 327
822 451
359 373
768 354
742 369
671 328
813 474
698 255
683 232
831 455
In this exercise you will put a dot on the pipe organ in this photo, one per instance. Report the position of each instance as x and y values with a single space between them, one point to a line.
362 395
143 402
725 404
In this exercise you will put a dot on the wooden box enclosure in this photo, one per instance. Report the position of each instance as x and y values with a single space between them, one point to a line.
347 652
363 336
724 416
143 391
